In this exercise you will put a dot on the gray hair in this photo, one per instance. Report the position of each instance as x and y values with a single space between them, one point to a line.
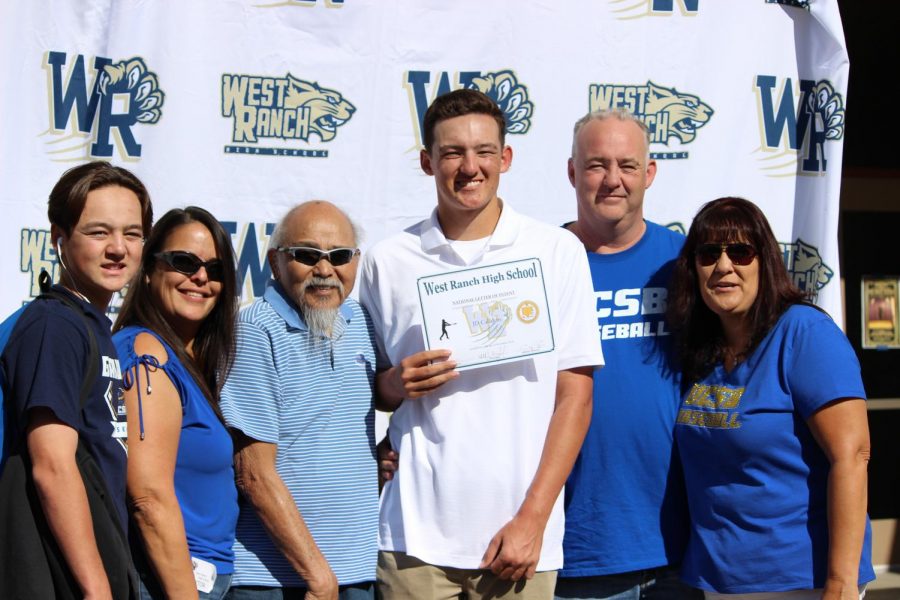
620 114
278 237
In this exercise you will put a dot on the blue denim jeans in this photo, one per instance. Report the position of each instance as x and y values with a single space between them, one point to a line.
649 584
354 591
223 582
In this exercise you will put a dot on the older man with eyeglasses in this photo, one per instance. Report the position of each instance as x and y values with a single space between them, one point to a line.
299 398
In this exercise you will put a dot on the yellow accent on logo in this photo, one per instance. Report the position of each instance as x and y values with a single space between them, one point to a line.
527 311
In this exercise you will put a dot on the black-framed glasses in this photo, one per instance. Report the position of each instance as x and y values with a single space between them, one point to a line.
739 254
188 263
311 256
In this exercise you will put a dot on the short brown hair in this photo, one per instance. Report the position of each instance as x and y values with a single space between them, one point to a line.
70 193
459 103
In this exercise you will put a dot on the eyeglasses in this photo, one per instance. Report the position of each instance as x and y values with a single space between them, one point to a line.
311 256
187 263
739 254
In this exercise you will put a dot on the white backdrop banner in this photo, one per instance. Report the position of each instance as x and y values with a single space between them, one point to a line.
247 107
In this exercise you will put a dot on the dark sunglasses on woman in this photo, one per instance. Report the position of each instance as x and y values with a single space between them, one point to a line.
188 263
739 254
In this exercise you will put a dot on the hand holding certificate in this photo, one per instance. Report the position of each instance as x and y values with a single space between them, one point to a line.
487 315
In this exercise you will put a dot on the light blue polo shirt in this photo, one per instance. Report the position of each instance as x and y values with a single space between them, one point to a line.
313 398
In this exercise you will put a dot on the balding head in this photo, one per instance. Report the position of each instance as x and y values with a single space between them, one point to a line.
618 114
316 289
280 236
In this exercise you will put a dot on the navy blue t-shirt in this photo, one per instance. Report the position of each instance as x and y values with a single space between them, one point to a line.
45 362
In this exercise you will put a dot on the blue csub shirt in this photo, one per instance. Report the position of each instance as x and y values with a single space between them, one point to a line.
624 500
204 471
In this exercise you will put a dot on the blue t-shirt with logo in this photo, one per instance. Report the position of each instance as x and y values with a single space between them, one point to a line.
45 362
624 500
204 472
756 478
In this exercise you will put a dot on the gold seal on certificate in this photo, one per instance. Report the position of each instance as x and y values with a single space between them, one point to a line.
487 315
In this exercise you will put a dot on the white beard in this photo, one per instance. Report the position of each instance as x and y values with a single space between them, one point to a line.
319 320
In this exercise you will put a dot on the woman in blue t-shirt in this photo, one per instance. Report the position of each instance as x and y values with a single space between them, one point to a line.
175 339
772 430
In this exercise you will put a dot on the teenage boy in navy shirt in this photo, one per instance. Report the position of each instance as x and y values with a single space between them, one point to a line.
99 216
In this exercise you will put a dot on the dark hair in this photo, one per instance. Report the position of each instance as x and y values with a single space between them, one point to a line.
70 193
459 103
213 347
698 331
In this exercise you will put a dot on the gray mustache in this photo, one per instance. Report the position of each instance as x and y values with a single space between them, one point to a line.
322 282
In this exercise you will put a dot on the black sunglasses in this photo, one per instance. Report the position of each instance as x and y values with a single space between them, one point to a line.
739 254
188 264
311 256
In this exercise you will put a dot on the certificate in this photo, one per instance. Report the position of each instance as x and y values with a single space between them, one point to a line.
487 315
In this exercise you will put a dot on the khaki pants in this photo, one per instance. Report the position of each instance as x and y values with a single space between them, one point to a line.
404 577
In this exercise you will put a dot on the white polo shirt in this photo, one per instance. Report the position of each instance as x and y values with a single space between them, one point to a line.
469 450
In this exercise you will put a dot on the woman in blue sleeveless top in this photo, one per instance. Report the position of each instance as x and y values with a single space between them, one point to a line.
772 431
175 339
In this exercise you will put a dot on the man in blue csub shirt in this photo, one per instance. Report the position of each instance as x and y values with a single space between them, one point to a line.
626 521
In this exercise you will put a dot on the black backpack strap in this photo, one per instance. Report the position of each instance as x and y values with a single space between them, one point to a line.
93 370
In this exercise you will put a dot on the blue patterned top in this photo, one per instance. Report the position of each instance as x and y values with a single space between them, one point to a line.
313 398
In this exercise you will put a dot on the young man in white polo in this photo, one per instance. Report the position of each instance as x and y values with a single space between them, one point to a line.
475 506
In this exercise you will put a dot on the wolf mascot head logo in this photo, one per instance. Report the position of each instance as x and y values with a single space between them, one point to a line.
807 269
327 108
687 113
